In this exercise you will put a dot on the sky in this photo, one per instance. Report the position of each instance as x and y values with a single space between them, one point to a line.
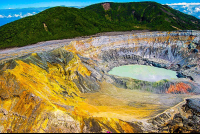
10 4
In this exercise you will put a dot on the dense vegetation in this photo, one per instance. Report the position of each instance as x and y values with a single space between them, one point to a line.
65 22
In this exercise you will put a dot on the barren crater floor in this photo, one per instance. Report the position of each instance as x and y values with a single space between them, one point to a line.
129 105
65 85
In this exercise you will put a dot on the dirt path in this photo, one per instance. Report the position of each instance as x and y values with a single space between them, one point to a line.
9 53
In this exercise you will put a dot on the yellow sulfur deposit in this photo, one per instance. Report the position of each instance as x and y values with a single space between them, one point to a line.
31 98
68 89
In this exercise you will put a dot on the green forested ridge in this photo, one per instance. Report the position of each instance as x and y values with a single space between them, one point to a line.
65 22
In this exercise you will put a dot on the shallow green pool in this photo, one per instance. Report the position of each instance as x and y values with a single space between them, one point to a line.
143 72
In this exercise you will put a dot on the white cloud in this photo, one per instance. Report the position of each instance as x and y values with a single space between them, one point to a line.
183 3
17 15
184 6
197 9
28 14
188 8
9 16
1 16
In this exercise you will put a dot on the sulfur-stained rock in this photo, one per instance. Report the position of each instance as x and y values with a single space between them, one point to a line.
68 89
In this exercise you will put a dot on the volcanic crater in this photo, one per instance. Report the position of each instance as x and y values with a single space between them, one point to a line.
64 86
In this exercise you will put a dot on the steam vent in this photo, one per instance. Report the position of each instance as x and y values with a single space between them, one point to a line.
64 85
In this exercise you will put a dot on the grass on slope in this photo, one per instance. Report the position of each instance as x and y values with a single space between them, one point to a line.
64 22
149 15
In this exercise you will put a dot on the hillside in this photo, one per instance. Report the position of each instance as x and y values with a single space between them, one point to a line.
64 22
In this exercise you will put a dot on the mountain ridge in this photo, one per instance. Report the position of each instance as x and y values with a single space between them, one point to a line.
68 22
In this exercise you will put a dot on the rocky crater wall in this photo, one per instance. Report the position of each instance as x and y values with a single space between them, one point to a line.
178 51
68 89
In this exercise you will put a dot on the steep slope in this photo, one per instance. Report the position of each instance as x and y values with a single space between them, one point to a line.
64 22
145 15
68 89
54 23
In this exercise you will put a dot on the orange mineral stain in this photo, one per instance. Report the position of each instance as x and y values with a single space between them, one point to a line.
179 88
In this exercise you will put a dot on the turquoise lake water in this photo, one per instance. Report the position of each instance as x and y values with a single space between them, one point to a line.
143 72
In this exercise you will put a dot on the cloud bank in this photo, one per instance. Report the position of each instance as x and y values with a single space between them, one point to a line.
183 4
9 15
17 15
188 8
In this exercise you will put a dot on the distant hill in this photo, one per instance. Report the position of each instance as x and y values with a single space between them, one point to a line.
67 22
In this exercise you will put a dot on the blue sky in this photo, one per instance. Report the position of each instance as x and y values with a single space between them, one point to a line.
6 4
